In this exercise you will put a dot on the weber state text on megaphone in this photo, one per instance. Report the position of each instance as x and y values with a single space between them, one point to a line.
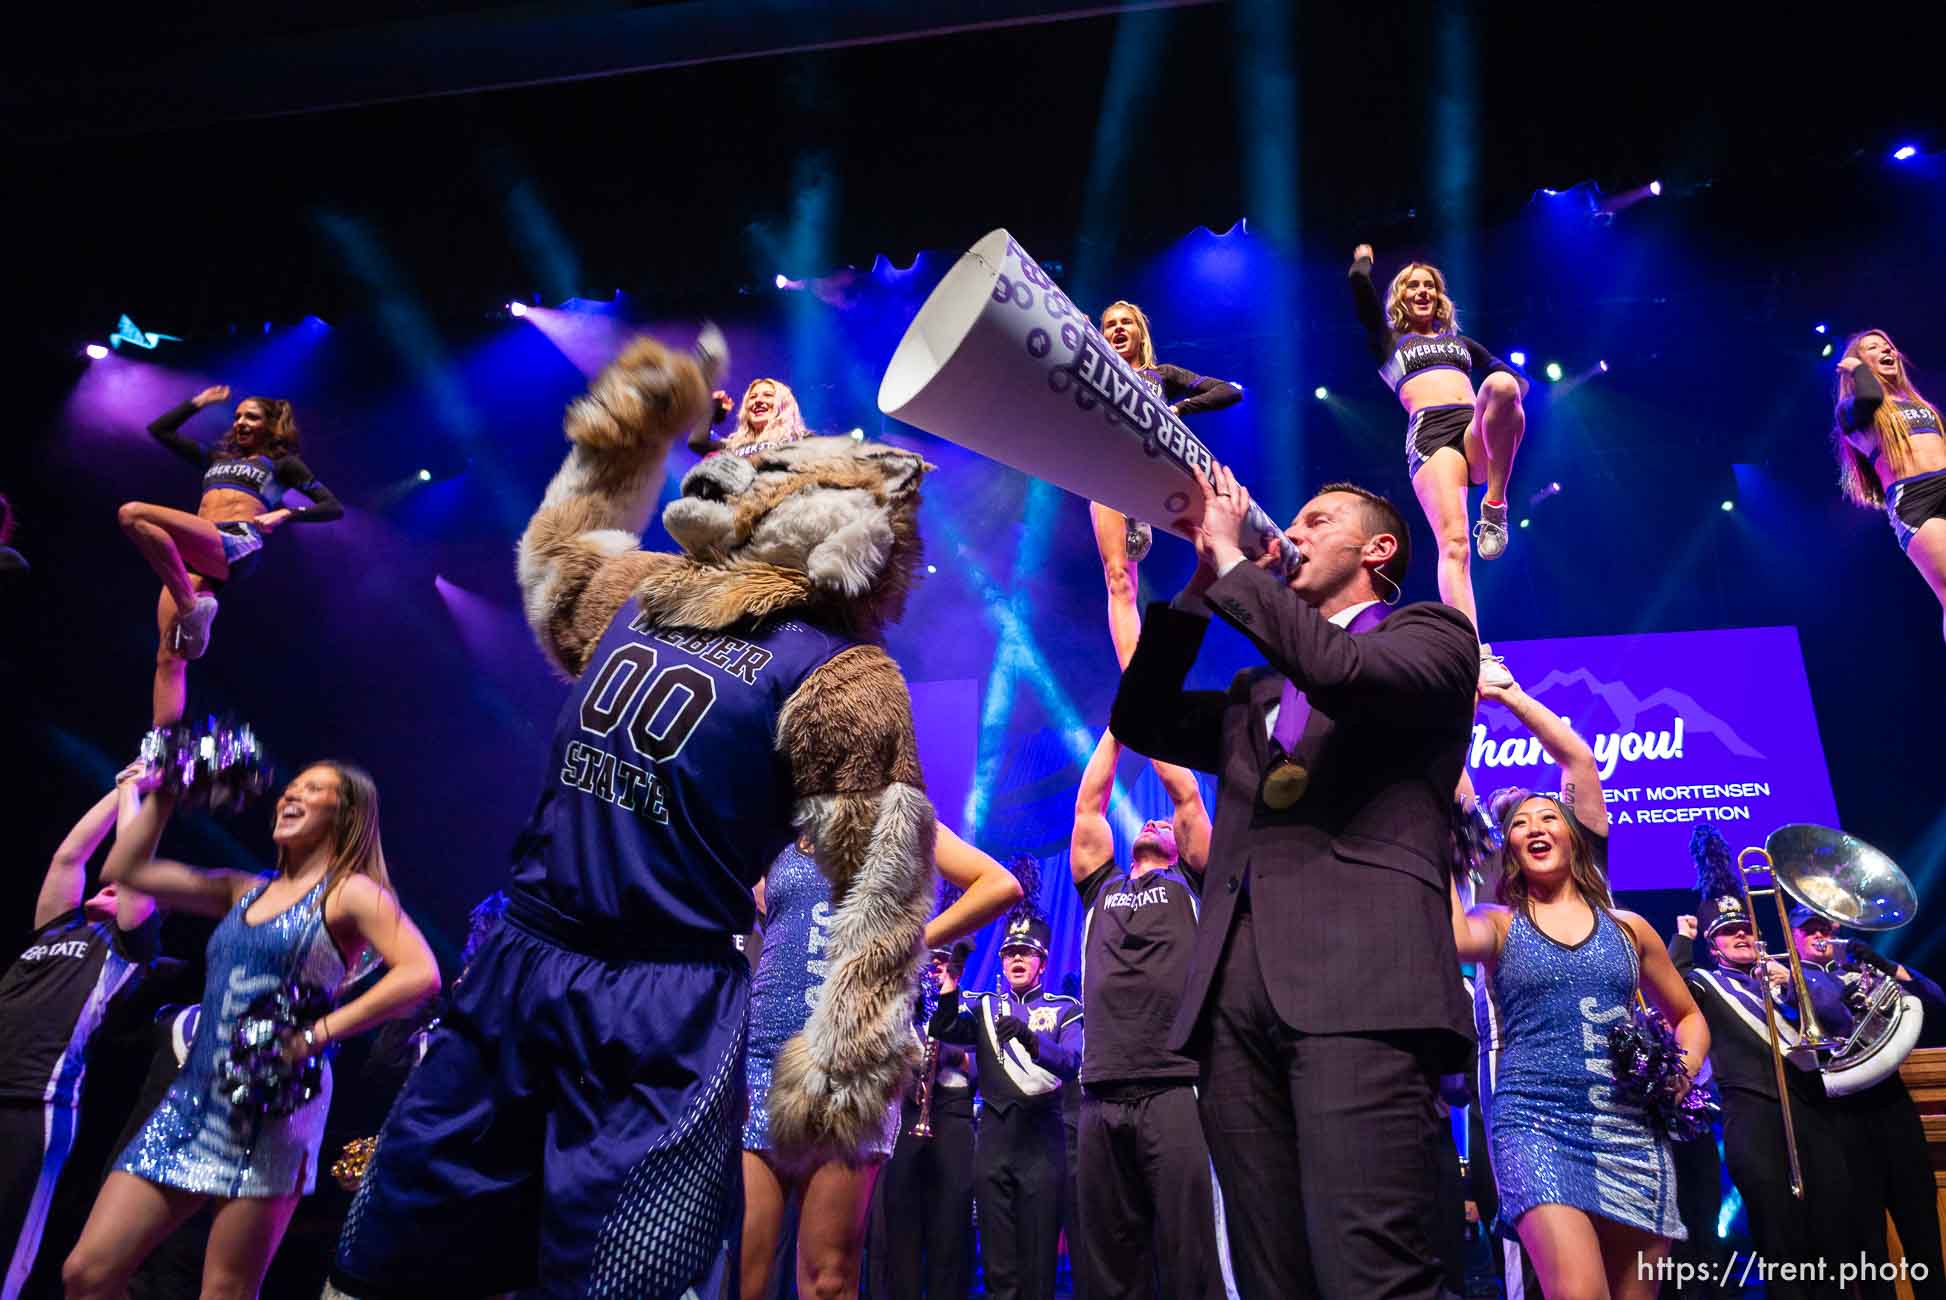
1000 361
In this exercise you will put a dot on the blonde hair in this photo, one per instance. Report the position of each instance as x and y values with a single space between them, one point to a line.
1145 355
786 421
1856 473
1444 313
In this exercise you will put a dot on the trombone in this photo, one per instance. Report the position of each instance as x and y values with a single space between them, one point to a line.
1849 883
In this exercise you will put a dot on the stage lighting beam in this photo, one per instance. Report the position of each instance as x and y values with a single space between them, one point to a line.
1554 372
95 351
1903 152
516 308
1321 392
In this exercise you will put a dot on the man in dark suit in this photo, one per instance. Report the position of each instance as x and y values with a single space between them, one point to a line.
1324 998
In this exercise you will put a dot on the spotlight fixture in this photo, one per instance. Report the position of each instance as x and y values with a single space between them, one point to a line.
932 568
1826 352
1554 372
1603 365
516 309
1729 506
425 476
95 351
1320 392
1903 152
1655 188
1820 327
858 435
783 281
1518 357
1525 522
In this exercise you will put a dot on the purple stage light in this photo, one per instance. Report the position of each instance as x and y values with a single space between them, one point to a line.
1655 188
95 351
516 309
1903 152
1603 365
782 281
1518 357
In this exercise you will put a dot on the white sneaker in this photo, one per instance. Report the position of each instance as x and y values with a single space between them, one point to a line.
1493 669
192 627
1490 534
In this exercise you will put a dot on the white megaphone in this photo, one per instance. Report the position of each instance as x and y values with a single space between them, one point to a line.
1000 361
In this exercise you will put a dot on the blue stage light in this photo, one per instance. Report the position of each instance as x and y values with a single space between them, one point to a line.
782 281
1903 152
1320 392
425 476
1603 365
1554 372
1826 352
1729 506
1518 357
1655 188
95 351
516 309
1525 522
1820 327
932 568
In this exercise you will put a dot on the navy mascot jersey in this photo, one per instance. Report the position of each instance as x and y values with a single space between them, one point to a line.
666 799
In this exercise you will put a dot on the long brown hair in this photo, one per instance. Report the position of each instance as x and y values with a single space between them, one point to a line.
1444 313
280 423
355 845
1856 473
1511 890
1145 355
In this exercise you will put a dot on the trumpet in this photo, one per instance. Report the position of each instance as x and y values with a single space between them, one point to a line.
929 1066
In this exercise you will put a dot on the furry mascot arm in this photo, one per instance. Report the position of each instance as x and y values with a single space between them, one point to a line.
847 733
580 557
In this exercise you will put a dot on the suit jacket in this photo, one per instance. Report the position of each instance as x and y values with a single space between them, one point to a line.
1349 886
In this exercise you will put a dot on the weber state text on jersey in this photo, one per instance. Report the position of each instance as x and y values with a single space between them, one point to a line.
1136 943
666 798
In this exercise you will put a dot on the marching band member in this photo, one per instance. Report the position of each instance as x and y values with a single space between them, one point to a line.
1028 1045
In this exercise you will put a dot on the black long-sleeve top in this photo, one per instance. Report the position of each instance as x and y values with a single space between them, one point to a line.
1401 356
1189 392
264 477
1056 1024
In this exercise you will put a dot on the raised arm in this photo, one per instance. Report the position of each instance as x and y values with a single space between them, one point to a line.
1667 991
847 735
164 427
1190 818
1580 774
987 889
368 915
1419 667
1856 413
1364 300
67 871
580 558
132 862
1682 946
1153 714
1092 841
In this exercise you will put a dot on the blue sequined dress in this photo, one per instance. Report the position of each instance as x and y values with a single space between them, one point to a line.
1556 1130
194 1141
790 979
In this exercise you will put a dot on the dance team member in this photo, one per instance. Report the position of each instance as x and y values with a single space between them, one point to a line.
1454 435
1821 1226
835 1195
85 957
245 477
1122 541
1890 451
1028 1045
1338 759
922 1214
328 902
1583 1179
1148 1220
1885 1140
574 1124
767 417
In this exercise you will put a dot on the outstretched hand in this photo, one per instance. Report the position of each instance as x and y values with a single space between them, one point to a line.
211 395
1362 253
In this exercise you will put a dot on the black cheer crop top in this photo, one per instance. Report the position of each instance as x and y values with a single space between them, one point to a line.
1401 356
266 478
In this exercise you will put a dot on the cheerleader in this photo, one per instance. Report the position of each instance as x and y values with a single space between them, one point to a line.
328 905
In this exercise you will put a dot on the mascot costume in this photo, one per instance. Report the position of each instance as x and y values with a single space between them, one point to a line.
574 1125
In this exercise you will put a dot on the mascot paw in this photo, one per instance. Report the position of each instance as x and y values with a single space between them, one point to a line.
646 397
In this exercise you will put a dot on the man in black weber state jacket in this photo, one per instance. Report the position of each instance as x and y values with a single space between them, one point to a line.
1324 997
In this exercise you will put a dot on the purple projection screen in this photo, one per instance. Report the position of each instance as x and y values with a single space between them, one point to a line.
1687 727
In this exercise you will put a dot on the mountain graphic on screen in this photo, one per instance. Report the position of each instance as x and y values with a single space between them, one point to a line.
1627 709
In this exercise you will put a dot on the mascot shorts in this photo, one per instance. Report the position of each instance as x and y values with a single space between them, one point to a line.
573 1127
